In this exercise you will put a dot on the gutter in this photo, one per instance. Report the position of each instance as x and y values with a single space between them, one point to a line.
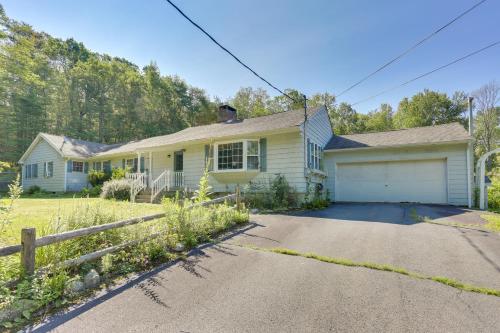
410 145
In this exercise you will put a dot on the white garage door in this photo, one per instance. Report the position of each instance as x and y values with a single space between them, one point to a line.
407 181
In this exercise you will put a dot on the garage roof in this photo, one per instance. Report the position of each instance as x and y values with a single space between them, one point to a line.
412 136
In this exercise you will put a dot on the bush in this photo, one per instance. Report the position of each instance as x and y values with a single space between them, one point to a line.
494 195
118 173
314 197
92 192
118 189
33 190
97 178
275 194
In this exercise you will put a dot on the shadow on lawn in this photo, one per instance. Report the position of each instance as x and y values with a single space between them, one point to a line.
146 282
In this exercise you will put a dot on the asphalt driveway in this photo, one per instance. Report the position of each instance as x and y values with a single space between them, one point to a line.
229 288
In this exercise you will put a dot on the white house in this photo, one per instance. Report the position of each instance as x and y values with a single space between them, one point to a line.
427 164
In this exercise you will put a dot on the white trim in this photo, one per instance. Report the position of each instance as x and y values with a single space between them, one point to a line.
469 175
65 174
244 156
412 145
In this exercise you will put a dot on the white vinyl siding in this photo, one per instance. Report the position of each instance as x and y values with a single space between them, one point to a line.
454 155
43 153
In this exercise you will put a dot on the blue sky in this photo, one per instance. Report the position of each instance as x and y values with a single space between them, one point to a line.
313 46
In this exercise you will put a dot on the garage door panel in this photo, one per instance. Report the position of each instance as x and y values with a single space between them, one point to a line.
394 181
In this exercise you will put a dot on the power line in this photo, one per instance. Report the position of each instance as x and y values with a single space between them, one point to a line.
412 47
428 73
229 52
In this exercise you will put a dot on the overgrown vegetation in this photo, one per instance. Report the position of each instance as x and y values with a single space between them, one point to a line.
118 189
493 222
275 194
382 267
315 198
97 177
6 206
187 222
494 195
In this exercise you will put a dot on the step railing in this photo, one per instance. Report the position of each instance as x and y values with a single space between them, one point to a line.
138 183
178 179
161 183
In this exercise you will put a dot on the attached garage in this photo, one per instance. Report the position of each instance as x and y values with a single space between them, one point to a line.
393 181
424 165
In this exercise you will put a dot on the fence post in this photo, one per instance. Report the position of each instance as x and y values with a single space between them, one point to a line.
238 197
28 237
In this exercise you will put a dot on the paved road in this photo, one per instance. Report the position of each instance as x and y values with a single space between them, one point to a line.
227 288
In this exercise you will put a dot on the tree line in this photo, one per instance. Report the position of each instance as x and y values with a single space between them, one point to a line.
61 87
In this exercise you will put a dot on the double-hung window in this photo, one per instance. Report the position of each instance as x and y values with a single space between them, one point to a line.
106 166
77 166
235 156
314 156
97 166
31 171
48 169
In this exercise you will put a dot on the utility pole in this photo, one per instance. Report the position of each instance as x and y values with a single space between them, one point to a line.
305 139
471 120
470 157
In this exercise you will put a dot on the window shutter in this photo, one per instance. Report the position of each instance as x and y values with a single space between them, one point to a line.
263 154
142 163
69 164
123 164
35 170
45 169
308 153
86 167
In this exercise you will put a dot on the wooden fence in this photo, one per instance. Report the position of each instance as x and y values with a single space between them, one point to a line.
29 242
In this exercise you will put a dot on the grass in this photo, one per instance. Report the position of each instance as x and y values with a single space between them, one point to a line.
493 222
381 267
40 212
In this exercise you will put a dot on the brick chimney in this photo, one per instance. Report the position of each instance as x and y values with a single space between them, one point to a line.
227 114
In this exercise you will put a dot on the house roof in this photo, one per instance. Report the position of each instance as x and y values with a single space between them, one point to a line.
74 148
277 121
411 136
70 147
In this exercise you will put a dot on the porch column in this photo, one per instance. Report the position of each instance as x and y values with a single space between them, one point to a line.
138 162
150 182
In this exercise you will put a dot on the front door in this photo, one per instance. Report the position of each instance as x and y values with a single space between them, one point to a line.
178 161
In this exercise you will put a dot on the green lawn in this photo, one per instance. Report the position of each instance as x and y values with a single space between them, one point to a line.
493 221
40 212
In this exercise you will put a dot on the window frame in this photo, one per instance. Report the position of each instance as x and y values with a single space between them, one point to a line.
314 156
245 156
108 162
97 165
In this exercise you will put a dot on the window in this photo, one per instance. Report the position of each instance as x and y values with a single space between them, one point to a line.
97 166
314 156
31 171
48 169
131 164
77 166
241 155
230 156
106 166
253 155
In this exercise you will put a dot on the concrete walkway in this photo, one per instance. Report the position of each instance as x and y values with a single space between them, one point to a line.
228 288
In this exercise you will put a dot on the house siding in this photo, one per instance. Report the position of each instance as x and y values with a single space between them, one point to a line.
43 152
455 156
284 156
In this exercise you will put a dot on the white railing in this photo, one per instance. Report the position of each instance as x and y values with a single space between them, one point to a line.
160 183
178 179
139 182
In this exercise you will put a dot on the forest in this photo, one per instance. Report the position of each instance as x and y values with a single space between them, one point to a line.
61 87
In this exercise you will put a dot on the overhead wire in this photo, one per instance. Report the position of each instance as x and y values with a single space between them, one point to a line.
410 49
428 73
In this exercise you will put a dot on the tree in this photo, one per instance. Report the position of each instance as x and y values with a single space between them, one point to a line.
380 120
251 102
428 108
486 129
346 120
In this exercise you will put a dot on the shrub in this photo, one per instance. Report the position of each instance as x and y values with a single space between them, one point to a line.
314 197
96 177
92 192
33 190
494 195
118 189
275 194
118 173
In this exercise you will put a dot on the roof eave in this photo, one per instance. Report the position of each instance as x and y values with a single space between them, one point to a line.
401 145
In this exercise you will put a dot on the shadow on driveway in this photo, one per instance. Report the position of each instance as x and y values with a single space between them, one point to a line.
145 282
